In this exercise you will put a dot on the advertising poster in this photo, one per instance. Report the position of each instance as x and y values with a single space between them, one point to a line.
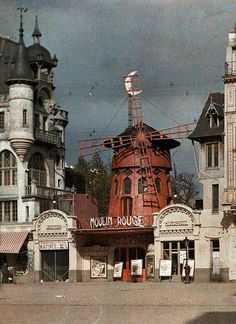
150 267
118 268
98 267
165 268
136 267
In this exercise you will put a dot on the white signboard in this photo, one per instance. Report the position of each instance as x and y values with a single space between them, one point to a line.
165 268
182 256
53 245
118 267
191 264
136 267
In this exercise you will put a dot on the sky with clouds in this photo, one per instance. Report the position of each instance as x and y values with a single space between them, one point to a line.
177 46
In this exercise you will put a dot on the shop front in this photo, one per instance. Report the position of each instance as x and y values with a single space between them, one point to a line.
54 246
176 232
117 249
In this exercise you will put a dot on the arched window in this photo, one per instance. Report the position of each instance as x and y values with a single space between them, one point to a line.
8 169
158 184
24 117
142 185
127 186
128 205
37 170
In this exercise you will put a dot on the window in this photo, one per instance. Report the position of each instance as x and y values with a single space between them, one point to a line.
215 197
25 117
36 121
158 184
215 245
8 169
37 170
44 123
2 121
8 211
214 120
127 186
212 155
142 185
128 205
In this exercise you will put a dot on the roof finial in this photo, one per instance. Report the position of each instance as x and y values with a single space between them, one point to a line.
21 29
36 33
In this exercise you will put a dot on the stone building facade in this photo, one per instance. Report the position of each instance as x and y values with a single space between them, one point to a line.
32 136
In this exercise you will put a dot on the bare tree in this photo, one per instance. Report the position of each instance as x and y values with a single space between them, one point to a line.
185 188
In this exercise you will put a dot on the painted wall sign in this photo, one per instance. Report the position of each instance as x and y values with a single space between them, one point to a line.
120 221
176 220
53 245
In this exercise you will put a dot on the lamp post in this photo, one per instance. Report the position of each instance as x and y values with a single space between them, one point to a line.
187 267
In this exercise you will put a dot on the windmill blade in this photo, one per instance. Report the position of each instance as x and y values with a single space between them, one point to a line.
102 144
132 87
129 82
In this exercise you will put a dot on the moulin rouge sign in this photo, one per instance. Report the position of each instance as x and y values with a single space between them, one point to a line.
120 221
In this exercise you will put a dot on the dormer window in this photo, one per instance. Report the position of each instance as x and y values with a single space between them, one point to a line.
214 120
212 116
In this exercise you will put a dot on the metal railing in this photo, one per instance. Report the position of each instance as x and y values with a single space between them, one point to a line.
47 137
59 274
45 192
230 68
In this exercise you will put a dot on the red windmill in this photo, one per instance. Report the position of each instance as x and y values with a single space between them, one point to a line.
141 163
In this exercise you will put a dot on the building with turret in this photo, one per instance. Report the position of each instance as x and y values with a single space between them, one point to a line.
32 136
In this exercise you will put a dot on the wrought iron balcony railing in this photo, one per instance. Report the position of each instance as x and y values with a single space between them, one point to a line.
47 137
230 68
44 192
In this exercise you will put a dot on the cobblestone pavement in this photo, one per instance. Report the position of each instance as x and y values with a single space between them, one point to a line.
118 302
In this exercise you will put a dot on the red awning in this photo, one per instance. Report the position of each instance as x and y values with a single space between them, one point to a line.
11 242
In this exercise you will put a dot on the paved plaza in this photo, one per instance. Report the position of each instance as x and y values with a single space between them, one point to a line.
118 302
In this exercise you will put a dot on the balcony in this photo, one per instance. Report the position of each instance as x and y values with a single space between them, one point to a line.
44 192
230 68
47 137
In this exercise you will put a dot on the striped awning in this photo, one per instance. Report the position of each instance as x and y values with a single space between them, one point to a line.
11 242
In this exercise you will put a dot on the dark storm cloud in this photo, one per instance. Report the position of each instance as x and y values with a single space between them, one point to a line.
178 47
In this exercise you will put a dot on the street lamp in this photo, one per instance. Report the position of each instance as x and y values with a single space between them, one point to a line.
187 267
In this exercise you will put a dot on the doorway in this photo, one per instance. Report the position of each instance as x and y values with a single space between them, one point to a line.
55 265
127 254
176 251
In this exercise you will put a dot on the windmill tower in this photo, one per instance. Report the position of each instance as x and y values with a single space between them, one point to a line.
141 162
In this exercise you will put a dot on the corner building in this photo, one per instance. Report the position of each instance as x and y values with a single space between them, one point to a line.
32 135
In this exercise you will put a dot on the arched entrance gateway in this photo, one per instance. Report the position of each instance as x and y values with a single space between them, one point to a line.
172 226
54 246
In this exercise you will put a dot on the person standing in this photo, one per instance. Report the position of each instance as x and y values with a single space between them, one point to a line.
4 273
